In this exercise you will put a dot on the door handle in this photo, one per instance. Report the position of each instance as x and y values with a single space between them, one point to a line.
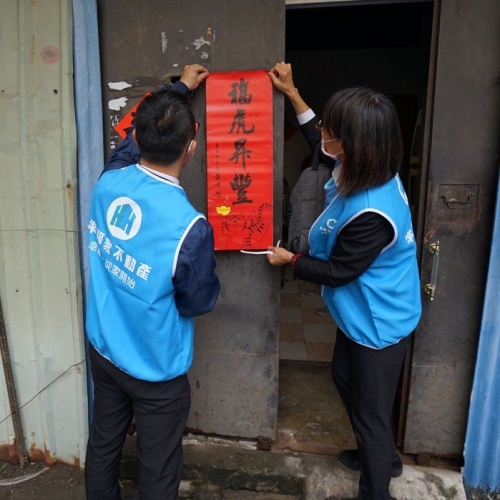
430 288
452 203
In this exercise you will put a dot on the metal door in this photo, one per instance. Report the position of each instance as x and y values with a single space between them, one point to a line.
456 211
234 377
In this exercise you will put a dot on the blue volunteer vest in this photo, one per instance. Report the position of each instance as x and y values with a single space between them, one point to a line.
383 305
137 225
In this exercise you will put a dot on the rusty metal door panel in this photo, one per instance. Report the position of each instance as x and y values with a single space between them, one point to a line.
457 214
234 377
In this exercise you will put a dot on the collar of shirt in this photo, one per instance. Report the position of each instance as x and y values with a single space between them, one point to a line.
161 175
336 173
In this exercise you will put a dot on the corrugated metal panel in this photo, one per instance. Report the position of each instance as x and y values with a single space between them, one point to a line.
482 444
40 282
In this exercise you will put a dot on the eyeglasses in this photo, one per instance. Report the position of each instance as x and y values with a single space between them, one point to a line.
319 127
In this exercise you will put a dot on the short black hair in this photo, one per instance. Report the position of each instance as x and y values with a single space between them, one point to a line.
164 124
367 123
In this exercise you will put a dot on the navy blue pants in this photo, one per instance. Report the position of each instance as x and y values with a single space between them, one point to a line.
160 409
366 380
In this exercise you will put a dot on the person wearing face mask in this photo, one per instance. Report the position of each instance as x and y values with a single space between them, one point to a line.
151 258
363 253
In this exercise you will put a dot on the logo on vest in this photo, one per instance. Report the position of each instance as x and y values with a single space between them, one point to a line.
124 218
410 237
330 224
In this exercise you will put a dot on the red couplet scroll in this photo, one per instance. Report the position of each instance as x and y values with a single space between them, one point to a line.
240 159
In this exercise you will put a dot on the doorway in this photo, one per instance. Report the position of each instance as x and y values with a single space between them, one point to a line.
385 47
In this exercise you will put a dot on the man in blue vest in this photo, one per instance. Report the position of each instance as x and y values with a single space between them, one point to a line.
152 264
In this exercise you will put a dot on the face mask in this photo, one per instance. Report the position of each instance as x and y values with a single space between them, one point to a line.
326 153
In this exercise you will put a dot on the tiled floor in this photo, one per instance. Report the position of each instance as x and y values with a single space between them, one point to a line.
311 417
304 336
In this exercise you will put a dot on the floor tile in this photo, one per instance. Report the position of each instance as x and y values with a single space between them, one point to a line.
309 316
290 286
319 352
293 350
321 332
311 416
292 332
291 315
291 300
310 301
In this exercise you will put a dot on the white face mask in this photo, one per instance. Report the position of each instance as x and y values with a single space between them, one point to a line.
326 153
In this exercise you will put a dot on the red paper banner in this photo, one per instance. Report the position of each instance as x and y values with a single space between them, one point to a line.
240 159
126 122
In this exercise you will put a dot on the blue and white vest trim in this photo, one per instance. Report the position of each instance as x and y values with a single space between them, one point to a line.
137 225
383 305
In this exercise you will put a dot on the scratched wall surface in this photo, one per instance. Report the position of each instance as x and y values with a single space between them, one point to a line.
234 377
39 272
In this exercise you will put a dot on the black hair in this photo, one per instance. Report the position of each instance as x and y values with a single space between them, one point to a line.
165 125
367 123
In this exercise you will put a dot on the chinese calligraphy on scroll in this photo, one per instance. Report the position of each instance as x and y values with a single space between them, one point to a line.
240 159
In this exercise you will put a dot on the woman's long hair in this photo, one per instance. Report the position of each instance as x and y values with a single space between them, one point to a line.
368 126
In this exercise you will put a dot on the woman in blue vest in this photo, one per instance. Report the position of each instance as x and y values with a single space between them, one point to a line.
363 252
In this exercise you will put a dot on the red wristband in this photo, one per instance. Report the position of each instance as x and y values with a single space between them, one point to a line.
294 259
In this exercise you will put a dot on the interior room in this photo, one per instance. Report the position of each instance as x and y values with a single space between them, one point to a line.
386 47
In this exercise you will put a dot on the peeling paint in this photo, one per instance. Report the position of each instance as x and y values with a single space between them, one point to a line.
199 42
175 65
164 42
114 119
204 55
119 85
116 104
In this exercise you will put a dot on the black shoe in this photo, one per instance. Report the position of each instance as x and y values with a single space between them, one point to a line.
350 458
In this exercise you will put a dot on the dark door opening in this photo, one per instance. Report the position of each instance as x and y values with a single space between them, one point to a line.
385 47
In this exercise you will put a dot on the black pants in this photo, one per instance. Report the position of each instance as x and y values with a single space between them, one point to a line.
160 409
366 380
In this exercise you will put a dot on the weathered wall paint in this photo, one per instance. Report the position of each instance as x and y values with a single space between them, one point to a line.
40 283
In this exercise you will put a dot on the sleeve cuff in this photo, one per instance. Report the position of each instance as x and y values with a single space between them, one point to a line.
306 116
180 87
294 260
